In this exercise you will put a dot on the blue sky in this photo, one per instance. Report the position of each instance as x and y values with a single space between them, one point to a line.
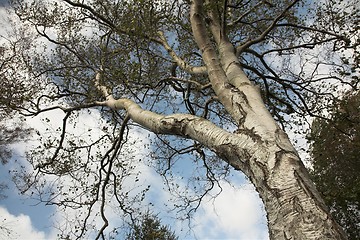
4 3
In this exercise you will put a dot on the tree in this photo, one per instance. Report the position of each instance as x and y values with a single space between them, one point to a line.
335 150
150 227
211 79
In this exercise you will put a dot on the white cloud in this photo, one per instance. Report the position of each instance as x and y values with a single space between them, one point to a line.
234 214
20 227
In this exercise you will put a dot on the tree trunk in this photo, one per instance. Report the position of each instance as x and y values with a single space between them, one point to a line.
294 208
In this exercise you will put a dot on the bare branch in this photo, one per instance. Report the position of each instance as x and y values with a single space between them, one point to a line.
199 85
60 145
342 37
179 61
239 19
105 20
248 43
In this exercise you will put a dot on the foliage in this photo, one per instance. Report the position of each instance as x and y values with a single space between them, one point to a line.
335 158
8 136
3 187
150 227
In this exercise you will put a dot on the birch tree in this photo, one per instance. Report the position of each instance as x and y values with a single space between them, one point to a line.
215 81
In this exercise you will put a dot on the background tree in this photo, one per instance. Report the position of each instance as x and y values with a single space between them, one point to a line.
335 158
210 79
150 227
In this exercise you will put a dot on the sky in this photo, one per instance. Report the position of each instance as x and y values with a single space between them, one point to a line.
4 3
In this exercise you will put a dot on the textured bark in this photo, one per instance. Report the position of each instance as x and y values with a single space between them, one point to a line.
295 208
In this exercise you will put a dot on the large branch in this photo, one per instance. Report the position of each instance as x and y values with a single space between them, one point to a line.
216 27
216 74
238 95
184 125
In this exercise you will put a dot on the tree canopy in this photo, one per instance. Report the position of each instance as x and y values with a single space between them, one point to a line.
335 157
214 84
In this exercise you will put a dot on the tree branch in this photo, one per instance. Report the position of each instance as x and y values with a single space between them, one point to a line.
244 14
106 21
248 43
179 61
314 30
93 12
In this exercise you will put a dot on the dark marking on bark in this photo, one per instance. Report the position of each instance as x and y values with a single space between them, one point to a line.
235 63
229 152
242 96
238 92
297 204
279 157
285 147
283 142
309 190
229 86
286 237
264 180
242 113
251 133
175 126
263 168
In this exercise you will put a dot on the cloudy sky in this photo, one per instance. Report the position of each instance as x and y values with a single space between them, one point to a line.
237 213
